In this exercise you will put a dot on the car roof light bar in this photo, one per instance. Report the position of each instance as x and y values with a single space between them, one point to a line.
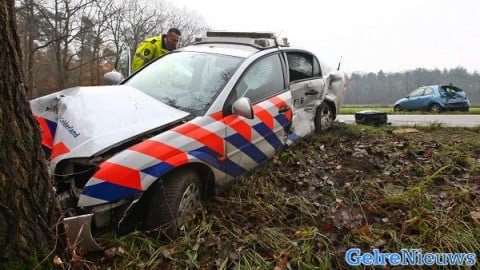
260 40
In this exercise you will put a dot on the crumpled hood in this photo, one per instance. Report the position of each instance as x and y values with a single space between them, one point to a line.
83 121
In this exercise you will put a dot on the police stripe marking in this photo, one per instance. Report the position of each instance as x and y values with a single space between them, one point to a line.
119 175
58 150
239 126
207 138
159 150
208 156
109 191
158 169
268 134
264 116
247 147
47 134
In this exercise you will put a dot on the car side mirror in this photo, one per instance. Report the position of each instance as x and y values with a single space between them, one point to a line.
408 96
113 77
243 107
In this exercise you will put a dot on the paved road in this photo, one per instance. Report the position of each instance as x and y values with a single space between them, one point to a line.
452 120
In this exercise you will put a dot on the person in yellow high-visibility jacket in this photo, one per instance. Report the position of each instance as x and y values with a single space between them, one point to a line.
154 47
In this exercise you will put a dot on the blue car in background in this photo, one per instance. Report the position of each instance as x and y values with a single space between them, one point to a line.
434 98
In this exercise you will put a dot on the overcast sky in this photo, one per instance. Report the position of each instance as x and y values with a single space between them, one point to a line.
371 35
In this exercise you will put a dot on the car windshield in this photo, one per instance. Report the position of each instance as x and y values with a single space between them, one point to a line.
188 81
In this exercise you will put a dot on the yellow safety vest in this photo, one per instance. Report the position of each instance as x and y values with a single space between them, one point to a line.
150 49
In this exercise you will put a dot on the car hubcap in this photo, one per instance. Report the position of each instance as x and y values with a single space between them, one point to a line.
325 119
435 108
188 203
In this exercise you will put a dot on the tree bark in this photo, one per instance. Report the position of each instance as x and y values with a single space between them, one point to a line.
28 208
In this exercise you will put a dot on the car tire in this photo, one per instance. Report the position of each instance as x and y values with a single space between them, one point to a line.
324 118
435 108
371 117
397 108
172 201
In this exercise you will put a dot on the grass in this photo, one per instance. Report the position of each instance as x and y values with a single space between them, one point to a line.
389 110
356 186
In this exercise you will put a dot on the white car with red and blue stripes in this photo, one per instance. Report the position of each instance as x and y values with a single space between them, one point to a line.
144 153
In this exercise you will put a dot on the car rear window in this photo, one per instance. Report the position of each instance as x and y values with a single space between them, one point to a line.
450 89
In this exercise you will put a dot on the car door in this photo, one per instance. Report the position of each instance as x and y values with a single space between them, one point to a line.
425 99
250 142
413 102
307 87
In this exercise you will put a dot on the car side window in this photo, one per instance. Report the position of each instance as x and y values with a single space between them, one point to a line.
417 92
300 66
263 79
428 91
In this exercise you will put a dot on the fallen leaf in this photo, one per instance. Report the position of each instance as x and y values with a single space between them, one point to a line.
283 260
475 215
165 253
348 185
325 228
379 243
234 256
57 261
110 253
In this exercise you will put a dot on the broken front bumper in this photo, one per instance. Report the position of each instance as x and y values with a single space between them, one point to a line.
79 233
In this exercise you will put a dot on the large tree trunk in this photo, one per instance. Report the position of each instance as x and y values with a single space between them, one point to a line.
28 209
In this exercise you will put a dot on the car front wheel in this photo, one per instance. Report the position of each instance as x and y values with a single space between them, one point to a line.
397 108
174 200
323 118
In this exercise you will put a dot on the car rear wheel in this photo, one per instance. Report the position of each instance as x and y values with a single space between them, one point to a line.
397 108
174 200
323 118
435 108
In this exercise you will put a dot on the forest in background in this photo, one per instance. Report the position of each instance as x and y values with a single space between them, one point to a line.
385 88
68 43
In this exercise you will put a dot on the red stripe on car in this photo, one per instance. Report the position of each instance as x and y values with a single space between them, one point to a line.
207 138
119 175
263 115
58 150
239 126
47 139
157 150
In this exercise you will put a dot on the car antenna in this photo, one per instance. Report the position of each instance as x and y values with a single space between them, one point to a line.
339 63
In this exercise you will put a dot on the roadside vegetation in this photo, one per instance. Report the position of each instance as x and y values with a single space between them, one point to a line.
356 186
389 110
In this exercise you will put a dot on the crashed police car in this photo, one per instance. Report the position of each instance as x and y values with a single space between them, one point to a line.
143 153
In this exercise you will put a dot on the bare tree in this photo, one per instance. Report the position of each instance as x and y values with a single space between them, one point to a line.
62 26
191 23
72 42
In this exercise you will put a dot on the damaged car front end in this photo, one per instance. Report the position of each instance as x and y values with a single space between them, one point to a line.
81 128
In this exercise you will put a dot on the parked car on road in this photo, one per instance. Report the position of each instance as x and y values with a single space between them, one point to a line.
144 153
434 98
